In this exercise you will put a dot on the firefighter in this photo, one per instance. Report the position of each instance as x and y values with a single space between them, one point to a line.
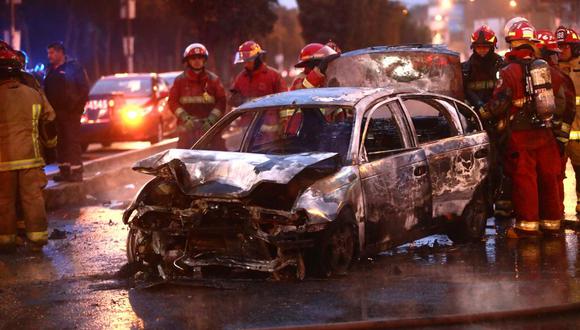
257 79
197 97
524 98
569 44
565 96
314 58
480 73
67 88
24 110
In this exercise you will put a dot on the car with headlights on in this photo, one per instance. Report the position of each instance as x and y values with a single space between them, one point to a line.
127 107
306 182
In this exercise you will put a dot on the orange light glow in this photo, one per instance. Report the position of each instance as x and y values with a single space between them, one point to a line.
131 114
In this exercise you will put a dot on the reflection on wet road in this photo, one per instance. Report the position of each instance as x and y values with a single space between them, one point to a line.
74 284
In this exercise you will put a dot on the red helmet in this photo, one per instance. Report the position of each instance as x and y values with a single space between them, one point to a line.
195 49
313 52
566 36
547 41
521 30
9 61
248 51
483 36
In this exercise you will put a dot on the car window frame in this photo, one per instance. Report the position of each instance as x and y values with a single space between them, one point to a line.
401 120
454 118
473 112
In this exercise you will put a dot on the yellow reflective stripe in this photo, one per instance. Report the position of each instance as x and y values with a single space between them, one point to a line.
286 113
565 128
215 112
307 84
269 128
38 236
482 84
202 99
550 224
519 102
562 139
574 135
51 143
21 164
577 100
36 110
7 239
528 225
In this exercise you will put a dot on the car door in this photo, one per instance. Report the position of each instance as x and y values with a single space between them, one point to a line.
454 160
394 177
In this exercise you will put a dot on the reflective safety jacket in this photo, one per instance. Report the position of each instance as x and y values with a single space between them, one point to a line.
311 79
260 82
22 111
480 77
199 94
572 69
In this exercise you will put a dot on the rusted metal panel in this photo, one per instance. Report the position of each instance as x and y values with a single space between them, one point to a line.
431 69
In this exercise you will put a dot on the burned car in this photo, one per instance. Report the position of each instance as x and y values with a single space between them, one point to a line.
306 182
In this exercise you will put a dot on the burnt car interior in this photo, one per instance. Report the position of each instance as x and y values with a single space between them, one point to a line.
430 120
383 135
285 131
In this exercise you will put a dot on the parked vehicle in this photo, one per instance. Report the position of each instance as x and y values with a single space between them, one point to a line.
127 107
310 180
169 77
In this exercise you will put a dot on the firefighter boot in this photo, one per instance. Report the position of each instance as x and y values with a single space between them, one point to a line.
503 209
552 228
76 174
525 229
63 175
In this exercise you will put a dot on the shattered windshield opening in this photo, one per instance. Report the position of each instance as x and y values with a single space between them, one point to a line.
284 131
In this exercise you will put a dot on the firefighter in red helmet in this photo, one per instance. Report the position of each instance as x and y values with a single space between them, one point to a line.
569 44
197 97
314 58
257 79
524 96
565 97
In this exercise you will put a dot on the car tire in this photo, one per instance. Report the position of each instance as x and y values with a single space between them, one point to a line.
470 227
335 249
158 134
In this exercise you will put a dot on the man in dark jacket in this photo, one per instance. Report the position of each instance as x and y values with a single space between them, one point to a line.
66 86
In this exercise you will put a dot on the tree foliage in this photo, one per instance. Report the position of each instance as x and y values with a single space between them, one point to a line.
356 24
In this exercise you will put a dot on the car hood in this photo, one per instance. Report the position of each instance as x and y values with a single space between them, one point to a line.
232 174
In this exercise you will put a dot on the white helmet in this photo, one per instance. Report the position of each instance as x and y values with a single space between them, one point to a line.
195 49
508 24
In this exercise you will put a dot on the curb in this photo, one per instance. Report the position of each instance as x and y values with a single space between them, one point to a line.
110 174
111 162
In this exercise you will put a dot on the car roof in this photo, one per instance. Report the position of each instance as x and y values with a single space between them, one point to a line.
170 74
427 48
344 96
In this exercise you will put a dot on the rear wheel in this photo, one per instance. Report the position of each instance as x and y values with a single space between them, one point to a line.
471 225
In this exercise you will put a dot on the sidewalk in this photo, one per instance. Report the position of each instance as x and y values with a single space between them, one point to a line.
101 176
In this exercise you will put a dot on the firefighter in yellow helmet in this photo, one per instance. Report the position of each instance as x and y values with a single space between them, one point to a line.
24 111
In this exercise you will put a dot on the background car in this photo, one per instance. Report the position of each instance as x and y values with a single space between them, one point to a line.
312 179
127 107
169 77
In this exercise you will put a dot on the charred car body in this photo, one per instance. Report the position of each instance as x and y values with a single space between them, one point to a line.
312 179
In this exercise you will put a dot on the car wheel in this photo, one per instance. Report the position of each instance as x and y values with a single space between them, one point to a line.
471 225
335 251
137 243
158 134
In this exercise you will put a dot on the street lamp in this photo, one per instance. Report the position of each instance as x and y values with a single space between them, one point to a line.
513 3
446 4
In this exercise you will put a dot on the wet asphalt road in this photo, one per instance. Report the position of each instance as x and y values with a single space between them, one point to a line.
75 284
